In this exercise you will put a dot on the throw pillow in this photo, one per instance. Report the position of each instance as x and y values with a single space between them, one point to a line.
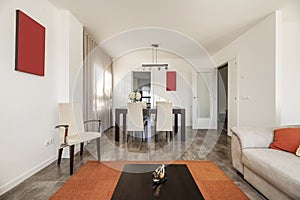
287 139
298 151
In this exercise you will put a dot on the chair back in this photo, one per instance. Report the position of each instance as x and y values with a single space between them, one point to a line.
134 117
164 117
71 114
144 104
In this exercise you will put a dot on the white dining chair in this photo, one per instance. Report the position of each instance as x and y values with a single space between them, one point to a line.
144 104
134 119
164 114
71 131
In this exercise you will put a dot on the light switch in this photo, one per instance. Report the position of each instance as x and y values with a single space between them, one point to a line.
245 97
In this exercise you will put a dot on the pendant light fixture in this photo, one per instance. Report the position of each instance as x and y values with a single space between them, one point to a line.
154 60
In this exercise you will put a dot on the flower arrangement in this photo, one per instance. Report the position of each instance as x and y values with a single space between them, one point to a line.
134 96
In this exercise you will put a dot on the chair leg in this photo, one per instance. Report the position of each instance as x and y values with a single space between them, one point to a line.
156 136
145 134
98 148
71 158
129 134
59 155
81 148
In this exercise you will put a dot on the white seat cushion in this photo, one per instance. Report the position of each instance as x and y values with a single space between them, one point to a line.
82 137
282 169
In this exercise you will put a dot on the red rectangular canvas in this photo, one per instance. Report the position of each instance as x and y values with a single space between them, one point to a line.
171 81
30 45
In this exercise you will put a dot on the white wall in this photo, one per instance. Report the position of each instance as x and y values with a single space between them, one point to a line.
256 55
29 102
70 87
63 57
290 73
76 59
71 58
122 84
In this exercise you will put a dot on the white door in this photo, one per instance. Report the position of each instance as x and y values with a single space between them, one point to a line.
204 102
233 95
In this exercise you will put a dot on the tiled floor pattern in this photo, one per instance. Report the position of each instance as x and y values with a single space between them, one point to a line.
199 145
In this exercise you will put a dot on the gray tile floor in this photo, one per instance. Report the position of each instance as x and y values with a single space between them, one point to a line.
199 145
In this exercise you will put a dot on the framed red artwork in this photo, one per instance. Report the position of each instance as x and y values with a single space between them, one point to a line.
30 45
171 81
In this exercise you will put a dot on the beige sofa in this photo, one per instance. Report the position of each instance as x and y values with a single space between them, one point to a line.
275 173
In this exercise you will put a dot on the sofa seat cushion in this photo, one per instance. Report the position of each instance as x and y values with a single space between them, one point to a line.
279 168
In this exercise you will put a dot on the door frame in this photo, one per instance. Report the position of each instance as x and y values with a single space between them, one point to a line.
204 123
233 93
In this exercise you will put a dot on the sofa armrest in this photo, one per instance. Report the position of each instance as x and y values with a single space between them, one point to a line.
254 137
236 154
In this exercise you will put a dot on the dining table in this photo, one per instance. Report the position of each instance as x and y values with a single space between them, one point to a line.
148 112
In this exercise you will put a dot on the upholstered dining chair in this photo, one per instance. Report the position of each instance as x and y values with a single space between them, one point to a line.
134 119
145 117
144 104
72 131
163 122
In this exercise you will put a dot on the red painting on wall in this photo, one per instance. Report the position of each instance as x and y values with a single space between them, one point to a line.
30 45
171 81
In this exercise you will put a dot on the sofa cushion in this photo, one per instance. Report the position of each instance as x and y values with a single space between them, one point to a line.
286 139
254 137
279 168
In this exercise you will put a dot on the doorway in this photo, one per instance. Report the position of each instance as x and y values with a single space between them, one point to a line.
141 82
203 106
222 114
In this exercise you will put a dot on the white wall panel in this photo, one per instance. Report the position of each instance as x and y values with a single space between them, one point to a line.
256 55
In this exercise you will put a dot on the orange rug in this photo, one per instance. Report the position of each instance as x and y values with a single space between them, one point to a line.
96 180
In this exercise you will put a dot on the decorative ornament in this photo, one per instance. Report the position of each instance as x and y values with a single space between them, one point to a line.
159 175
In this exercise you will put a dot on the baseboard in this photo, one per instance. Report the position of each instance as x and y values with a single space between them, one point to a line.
6 187
208 128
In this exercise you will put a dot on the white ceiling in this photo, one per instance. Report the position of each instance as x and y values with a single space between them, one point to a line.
212 23
171 41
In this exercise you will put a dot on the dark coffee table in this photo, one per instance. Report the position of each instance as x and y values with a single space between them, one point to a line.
135 183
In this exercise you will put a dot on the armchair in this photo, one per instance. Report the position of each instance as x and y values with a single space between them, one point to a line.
71 129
